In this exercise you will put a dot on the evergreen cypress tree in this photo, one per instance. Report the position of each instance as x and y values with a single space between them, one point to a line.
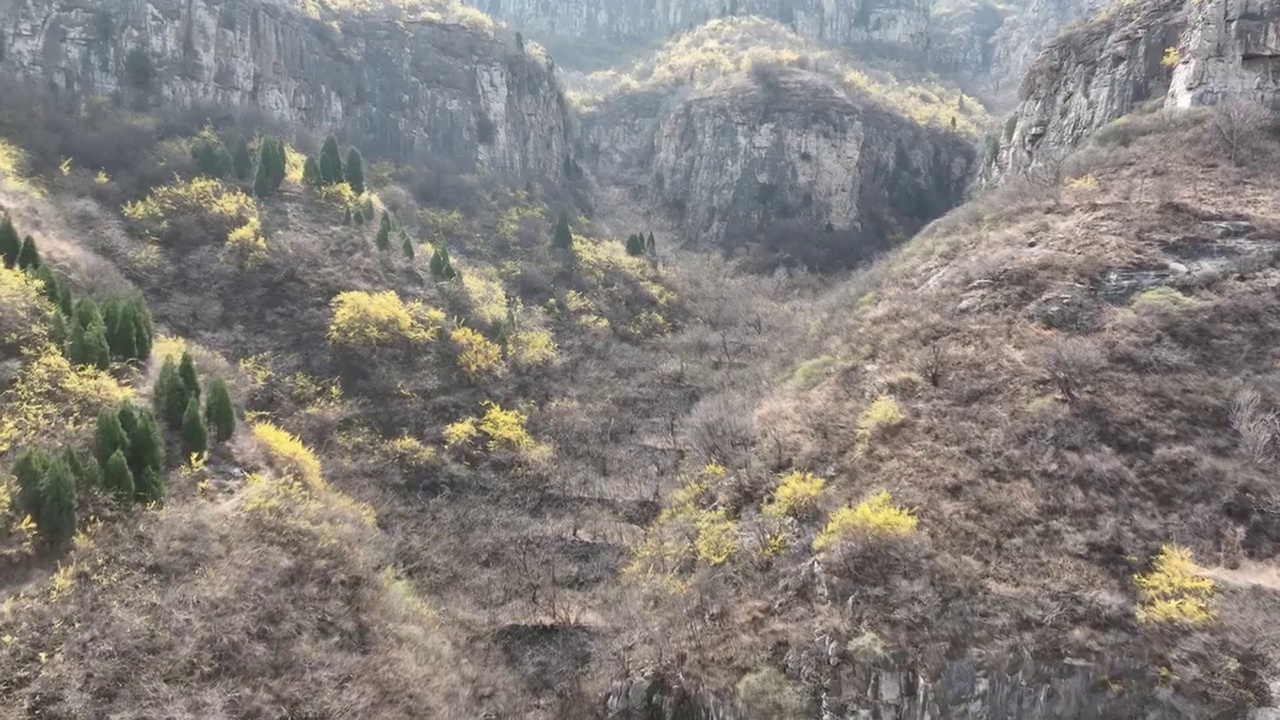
149 487
117 478
635 245
111 309
367 208
124 336
262 181
651 248
331 162
441 266
355 171
29 470
383 239
142 326
358 218
219 412
195 437
563 238
52 287
241 160
187 371
109 436
64 298
76 463
56 516
58 332
279 164
95 348
406 245
10 244
170 395
129 419
89 336
311 172
28 256
146 445
348 219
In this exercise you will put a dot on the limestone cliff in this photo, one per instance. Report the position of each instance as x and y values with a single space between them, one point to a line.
786 158
1231 50
1085 79
902 22
393 86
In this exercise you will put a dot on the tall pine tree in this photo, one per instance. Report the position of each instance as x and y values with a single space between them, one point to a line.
406 245
187 371
29 470
355 171
146 445
311 172
262 180
10 243
58 333
219 412
241 159
170 395
383 238
56 515
563 239
109 436
331 171
149 486
28 256
117 478
195 436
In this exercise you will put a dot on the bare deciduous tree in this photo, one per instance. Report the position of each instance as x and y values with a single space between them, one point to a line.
1255 425
1238 127
1071 362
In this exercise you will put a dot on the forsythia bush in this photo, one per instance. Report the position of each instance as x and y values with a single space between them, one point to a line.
290 455
1174 591
201 197
50 393
796 493
883 413
477 355
875 516
687 531
488 299
505 428
460 433
531 348
370 320
22 322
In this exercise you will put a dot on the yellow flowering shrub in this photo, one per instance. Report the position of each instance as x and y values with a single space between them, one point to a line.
411 451
881 414
246 243
796 493
532 348
688 531
461 433
876 516
52 396
289 455
219 204
22 321
505 428
488 299
477 355
369 320
1175 591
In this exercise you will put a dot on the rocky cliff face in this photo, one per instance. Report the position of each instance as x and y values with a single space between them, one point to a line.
904 22
394 87
1087 78
1231 50
1018 40
786 159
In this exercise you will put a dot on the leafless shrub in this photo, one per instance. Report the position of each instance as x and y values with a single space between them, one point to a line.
1071 363
721 428
1239 127
1255 425
933 363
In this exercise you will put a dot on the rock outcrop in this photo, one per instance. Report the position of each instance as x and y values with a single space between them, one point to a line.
396 87
1231 50
1085 79
899 22
784 160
